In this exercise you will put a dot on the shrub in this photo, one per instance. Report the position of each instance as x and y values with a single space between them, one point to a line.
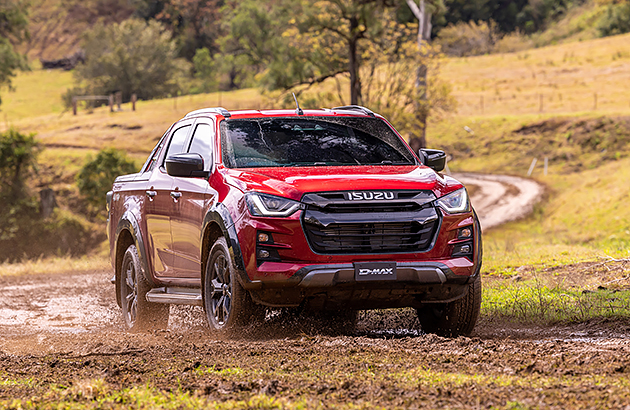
616 20
18 154
97 176
23 231
132 57
467 39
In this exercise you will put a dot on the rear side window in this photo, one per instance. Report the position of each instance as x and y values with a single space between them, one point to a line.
149 165
202 143
177 141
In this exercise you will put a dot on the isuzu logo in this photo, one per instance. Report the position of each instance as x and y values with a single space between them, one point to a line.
369 196
383 271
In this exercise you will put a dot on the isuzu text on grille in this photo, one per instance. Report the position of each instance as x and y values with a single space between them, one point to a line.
369 196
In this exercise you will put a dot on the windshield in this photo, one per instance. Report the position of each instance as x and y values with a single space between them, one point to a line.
311 141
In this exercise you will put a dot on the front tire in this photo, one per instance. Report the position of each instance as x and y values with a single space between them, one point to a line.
456 318
227 305
139 314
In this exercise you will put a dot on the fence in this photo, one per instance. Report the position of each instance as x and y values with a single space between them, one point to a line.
111 99
543 102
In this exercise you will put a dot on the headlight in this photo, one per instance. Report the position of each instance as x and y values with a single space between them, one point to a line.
269 205
455 202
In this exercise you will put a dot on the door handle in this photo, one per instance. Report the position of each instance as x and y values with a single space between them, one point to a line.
151 194
176 195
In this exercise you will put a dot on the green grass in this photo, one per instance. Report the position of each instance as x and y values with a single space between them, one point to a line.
534 301
37 93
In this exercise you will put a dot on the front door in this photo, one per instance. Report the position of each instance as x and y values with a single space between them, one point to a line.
194 197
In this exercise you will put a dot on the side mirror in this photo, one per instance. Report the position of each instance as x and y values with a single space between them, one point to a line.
185 165
433 158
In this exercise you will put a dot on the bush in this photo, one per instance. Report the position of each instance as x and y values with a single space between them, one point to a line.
616 20
467 39
132 57
97 176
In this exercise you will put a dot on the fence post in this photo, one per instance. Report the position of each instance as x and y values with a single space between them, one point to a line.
119 97
134 98
111 103
531 167
74 105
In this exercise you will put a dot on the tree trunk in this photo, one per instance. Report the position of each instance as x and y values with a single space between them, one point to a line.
418 138
353 66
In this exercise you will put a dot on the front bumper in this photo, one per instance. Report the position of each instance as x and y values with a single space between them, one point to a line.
334 287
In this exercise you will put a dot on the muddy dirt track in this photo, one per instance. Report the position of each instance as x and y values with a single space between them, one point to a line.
62 340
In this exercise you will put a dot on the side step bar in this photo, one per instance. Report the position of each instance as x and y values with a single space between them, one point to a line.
175 296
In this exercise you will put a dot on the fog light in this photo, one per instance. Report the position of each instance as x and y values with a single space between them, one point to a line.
465 233
263 253
263 237
465 249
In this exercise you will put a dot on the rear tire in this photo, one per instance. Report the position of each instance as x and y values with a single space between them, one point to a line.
139 314
227 305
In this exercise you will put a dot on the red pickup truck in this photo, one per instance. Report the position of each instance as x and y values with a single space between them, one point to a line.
326 210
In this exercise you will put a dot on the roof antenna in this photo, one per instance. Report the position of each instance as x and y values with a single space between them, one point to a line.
298 111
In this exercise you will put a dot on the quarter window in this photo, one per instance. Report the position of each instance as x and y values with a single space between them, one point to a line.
202 143
177 141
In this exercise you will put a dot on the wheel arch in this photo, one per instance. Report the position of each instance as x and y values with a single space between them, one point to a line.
219 223
128 233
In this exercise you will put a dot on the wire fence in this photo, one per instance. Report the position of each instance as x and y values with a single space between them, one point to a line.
487 103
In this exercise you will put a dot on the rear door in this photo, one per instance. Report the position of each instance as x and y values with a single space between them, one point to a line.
194 196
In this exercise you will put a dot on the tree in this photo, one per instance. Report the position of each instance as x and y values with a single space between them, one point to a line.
18 154
13 29
98 174
423 13
195 23
134 57
350 23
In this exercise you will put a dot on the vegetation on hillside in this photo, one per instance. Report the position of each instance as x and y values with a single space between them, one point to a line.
25 229
13 29
132 57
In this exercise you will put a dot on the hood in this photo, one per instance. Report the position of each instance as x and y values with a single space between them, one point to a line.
294 182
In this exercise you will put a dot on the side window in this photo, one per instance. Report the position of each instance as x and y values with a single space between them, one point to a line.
177 141
152 160
202 143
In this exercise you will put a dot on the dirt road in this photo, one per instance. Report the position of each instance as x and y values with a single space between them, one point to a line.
66 330
501 198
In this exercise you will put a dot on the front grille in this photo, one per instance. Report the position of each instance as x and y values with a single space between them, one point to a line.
345 223
358 208
349 238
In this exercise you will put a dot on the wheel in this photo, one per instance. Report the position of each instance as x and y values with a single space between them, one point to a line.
227 305
457 318
139 314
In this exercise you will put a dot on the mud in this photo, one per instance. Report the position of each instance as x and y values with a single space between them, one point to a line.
66 330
